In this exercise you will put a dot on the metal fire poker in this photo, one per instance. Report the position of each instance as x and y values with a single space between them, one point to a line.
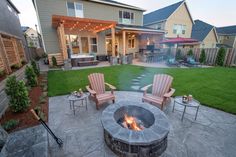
58 140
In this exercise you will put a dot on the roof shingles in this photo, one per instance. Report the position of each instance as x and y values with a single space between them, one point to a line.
229 30
161 14
200 30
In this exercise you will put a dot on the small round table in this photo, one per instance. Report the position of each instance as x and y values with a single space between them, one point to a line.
194 103
72 99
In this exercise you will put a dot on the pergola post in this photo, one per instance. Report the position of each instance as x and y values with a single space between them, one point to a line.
113 41
62 40
3 55
124 42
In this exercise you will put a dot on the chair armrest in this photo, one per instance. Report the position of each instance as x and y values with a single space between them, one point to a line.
170 93
146 87
90 90
110 86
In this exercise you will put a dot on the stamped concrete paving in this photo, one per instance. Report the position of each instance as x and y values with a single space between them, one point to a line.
213 134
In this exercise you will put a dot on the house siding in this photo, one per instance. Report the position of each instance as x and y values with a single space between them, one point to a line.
47 8
228 40
210 41
180 16
9 22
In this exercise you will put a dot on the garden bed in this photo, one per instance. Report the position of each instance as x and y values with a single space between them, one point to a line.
38 99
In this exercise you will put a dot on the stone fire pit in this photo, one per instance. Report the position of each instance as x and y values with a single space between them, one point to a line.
151 141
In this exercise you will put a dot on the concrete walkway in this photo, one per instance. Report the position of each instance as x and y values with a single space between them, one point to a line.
213 134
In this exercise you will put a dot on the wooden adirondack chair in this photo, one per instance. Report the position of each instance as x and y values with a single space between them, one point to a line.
97 89
161 90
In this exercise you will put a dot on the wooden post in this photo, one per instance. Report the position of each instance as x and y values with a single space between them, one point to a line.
17 54
62 40
113 41
124 42
4 57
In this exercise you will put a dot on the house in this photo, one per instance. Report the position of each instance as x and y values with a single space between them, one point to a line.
103 27
33 38
227 36
205 33
175 19
11 38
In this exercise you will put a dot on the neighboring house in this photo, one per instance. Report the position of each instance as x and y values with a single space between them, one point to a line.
227 36
175 19
104 27
205 34
33 38
11 38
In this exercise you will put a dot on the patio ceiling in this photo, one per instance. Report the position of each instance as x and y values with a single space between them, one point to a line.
82 24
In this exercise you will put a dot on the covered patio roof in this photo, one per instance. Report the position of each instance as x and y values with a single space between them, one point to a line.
82 24
139 29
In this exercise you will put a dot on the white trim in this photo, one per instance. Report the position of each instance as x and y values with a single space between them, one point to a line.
39 24
123 16
120 5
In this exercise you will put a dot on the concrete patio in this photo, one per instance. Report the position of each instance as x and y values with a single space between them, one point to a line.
211 135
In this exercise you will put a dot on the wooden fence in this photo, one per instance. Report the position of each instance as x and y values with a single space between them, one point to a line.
11 52
211 54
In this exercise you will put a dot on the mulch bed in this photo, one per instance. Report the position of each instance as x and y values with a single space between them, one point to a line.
26 118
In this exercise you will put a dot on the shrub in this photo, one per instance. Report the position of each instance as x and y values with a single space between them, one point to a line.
16 66
35 68
178 55
202 58
190 52
17 91
220 57
54 61
11 124
2 72
23 62
30 76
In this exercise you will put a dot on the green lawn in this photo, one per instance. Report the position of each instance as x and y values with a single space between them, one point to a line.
215 87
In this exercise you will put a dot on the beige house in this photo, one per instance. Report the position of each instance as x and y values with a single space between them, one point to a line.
205 33
102 27
227 36
175 19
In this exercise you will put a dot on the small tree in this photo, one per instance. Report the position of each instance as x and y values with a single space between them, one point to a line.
54 61
17 91
30 76
35 68
190 52
202 58
220 57
178 55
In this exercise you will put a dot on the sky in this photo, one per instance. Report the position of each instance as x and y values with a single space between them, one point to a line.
216 12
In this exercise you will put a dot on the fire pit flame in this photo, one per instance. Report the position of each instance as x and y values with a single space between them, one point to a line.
131 122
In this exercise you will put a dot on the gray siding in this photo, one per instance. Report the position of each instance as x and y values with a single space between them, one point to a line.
47 8
9 22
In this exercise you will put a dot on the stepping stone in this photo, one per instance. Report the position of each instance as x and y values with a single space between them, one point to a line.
135 83
135 87
139 77
135 80
143 75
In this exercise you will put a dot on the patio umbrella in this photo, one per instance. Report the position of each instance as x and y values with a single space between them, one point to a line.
178 40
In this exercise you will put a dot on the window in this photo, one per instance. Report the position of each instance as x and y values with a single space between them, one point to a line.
126 17
131 42
93 44
179 29
75 9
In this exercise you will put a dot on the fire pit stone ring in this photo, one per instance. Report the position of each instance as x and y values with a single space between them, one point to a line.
151 141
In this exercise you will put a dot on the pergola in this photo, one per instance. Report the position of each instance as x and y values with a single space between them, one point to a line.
62 23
